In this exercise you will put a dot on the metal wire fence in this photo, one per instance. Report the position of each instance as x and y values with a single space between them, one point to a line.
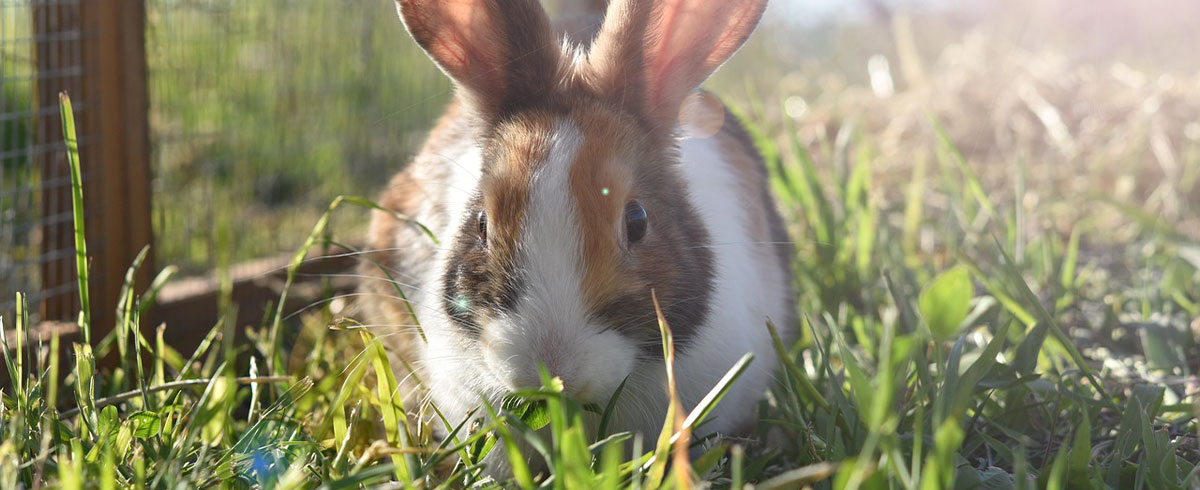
263 111
42 52
258 114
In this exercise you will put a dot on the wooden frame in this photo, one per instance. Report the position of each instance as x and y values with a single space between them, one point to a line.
114 149
190 307
125 152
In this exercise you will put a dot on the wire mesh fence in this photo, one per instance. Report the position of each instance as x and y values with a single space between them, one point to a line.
42 52
263 111
259 113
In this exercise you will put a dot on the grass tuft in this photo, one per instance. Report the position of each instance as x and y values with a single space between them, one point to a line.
932 355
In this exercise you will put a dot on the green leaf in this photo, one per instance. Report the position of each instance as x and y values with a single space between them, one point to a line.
108 425
534 413
109 422
1026 358
123 440
946 301
1163 346
145 424
215 411
1081 449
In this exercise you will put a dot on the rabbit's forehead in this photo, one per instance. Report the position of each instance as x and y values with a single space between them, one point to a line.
568 176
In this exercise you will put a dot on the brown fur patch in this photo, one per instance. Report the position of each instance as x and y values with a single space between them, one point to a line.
673 259
601 182
518 147
485 275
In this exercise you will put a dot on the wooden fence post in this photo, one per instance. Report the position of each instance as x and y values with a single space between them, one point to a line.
116 163
121 78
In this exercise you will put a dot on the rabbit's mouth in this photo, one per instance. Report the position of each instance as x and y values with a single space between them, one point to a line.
589 362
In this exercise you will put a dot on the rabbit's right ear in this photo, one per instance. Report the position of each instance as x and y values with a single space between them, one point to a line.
501 55
651 54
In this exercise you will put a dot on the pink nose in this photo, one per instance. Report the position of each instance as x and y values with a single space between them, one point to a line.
529 376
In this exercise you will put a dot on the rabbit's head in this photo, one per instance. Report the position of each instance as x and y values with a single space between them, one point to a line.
582 209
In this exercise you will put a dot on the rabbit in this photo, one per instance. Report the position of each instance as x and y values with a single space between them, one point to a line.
561 190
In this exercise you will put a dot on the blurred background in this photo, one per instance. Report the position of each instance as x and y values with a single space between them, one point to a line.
257 113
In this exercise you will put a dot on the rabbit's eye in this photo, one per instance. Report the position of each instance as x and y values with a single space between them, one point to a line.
635 222
481 223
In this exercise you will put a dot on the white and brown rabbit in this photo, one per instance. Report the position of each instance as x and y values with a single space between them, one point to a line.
563 191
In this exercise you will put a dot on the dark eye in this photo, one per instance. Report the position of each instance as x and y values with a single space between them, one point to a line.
481 223
635 222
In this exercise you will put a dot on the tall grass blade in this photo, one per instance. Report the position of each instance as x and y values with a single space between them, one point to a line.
392 408
81 265
1014 276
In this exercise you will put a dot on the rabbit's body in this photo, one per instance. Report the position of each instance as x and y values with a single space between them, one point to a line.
561 205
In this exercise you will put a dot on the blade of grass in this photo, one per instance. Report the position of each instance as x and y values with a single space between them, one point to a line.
1043 315
606 417
392 408
172 386
972 181
520 469
318 230
674 420
81 265
802 380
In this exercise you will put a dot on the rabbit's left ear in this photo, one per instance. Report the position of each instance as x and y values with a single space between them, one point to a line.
654 53
500 54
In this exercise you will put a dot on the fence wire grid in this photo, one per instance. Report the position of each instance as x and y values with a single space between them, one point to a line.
260 113
263 111
42 52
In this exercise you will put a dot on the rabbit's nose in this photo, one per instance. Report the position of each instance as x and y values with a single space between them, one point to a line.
529 375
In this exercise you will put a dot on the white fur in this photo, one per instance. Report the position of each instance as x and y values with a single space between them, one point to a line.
746 291
449 359
748 288
549 323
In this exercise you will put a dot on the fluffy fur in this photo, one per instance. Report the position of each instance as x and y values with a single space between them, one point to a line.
526 180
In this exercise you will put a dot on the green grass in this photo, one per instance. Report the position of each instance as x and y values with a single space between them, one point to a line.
18 180
262 112
993 357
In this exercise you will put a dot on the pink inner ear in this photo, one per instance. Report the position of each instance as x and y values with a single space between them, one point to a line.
688 40
740 24
461 37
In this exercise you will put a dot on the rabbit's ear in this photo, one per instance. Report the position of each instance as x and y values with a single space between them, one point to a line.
500 54
654 53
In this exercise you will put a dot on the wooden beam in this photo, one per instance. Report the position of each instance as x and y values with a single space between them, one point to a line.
189 307
117 74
